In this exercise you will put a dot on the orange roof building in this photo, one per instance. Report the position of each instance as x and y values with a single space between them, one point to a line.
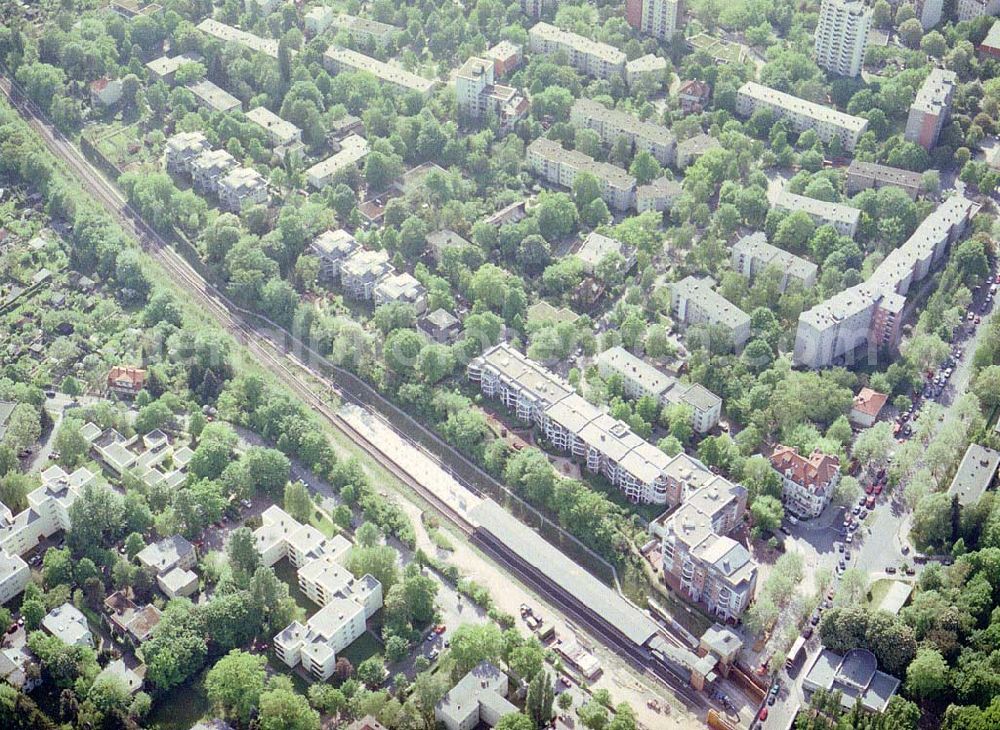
807 483
868 404
126 380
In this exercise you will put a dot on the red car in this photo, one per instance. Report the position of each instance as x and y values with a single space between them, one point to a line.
878 489
763 714
439 629
869 489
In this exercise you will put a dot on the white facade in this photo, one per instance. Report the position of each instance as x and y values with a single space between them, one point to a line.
353 149
336 58
693 301
47 512
14 576
972 9
659 17
69 625
588 57
559 166
610 124
841 37
844 218
828 123
752 254
478 699
331 248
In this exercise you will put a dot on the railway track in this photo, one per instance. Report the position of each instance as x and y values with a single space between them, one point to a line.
296 376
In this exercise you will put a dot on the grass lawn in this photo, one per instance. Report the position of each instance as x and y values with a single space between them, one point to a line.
181 707
322 522
286 572
877 591
123 146
364 646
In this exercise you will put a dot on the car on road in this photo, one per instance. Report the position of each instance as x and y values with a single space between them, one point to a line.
815 619
849 538
565 681
433 654
909 570
840 546
807 634
906 550
890 569
762 716
847 555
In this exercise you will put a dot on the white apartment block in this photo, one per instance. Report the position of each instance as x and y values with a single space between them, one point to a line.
337 58
478 700
752 254
331 248
208 168
699 559
639 378
535 8
280 133
650 67
657 18
241 187
596 247
972 9
478 95
841 37
366 32
68 624
182 149
212 97
228 34
588 57
353 149
47 512
693 301
658 195
571 424
362 270
318 19
14 576
828 123
401 287
610 124
843 218
164 67
346 602
548 160
931 108
929 12
868 314
172 560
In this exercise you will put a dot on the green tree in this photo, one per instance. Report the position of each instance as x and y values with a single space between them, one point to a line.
242 552
298 502
235 683
472 644
927 675
283 709
515 721
645 168
767 513
541 696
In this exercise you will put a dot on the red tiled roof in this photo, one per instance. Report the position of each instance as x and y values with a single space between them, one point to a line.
99 85
694 87
815 471
137 376
870 402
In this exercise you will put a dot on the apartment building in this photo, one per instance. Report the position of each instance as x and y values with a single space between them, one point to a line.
640 378
369 33
212 97
47 511
14 576
990 45
693 301
700 560
929 12
241 187
331 248
972 9
588 57
535 8
336 58
865 175
844 218
479 699
228 34
691 149
68 624
506 56
596 247
346 602
752 254
657 18
658 195
353 149
841 37
548 160
807 483
362 270
649 67
318 19
164 67
573 425
479 96
210 167
280 133
829 124
612 124
182 149
401 287
931 108
171 560
869 314
974 475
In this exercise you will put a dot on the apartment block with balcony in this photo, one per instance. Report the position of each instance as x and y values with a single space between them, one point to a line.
182 149
332 248
700 560
548 160
241 187
931 108
867 175
591 58
210 167
844 218
612 124
841 37
401 287
361 272
829 124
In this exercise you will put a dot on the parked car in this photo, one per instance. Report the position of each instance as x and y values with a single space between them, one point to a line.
763 714
890 569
